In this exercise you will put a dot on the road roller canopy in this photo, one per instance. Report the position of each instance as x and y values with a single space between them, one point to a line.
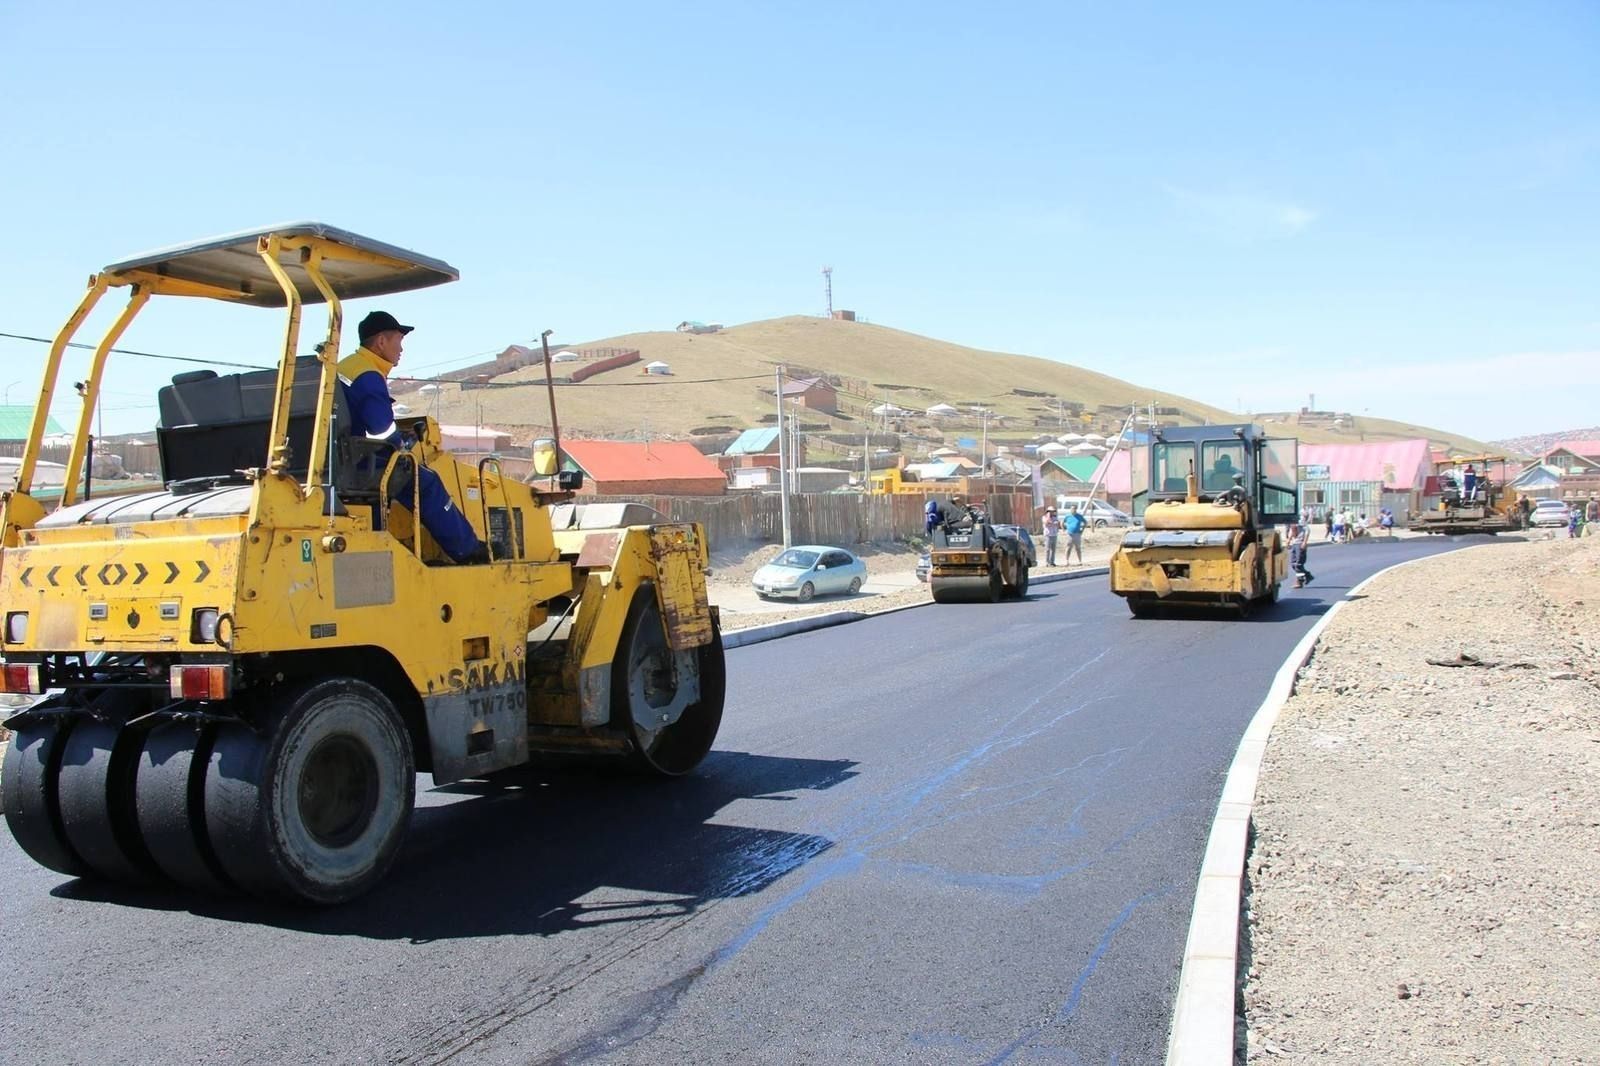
281 266
1220 457
232 267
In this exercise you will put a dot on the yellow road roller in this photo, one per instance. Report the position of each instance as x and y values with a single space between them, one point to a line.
241 674
1211 498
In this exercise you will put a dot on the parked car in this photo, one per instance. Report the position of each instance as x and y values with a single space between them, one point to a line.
1020 532
1550 513
1098 513
809 570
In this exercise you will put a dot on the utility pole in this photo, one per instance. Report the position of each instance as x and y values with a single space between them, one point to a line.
983 448
783 461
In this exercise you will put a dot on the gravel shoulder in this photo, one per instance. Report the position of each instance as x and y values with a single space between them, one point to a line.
1421 883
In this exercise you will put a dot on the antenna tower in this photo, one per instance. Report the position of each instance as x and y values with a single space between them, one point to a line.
827 287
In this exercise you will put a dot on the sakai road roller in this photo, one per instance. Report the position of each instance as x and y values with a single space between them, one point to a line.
972 562
1211 497
242 674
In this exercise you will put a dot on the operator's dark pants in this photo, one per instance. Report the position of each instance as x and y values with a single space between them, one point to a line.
440 515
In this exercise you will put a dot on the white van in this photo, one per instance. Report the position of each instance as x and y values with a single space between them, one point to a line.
1099 513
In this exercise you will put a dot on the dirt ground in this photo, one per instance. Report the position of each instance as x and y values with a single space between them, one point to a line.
1421 887
733 567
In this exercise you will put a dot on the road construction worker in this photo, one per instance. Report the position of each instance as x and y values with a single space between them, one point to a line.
364 376
1221 477
1469 483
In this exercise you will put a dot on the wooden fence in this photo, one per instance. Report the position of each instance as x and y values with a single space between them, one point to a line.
814 518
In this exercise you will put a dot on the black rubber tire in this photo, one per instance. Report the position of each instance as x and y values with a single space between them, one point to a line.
997 583
95 791
807 591
1140 608
337 743
1022 582
679 747
855 585
28 794
169 802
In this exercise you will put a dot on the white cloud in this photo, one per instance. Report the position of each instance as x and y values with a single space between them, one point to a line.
1242 216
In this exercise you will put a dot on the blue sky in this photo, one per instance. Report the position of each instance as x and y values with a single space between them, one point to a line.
1391 205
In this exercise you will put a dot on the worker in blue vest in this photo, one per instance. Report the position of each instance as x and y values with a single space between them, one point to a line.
364 376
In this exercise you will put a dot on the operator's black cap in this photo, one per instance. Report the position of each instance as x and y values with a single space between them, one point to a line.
380 322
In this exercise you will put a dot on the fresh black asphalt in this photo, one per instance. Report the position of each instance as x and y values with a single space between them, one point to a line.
952 834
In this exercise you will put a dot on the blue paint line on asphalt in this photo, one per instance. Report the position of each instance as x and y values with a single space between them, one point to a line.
888 820
1104 946
839 867
1075 996
1031 885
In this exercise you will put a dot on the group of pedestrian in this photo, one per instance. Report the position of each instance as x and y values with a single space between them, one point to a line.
1054 526
1343 525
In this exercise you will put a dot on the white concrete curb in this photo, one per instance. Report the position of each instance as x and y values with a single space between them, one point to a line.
1203 1019
740 638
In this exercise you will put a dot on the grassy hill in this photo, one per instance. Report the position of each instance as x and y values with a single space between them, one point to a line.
723 382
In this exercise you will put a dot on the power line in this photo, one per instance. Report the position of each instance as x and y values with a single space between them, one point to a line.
533 382
146 355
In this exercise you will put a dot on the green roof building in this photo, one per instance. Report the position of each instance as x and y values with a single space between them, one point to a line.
16 420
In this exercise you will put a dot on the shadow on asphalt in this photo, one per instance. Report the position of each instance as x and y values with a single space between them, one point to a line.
1285 609
530 850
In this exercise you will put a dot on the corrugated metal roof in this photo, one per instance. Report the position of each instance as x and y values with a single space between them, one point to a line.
1397 463
1077 467
1587 449
616 460
16 419
935 471
753 441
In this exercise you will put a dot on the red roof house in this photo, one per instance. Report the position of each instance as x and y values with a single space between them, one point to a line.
1574 456
814 393
630 468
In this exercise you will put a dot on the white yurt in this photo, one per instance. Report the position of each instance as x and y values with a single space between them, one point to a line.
1085 448
657 367
566 355
1070 438
889 409
1047 451
1095 437
942 410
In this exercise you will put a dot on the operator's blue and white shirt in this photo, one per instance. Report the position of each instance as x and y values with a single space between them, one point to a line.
365 377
